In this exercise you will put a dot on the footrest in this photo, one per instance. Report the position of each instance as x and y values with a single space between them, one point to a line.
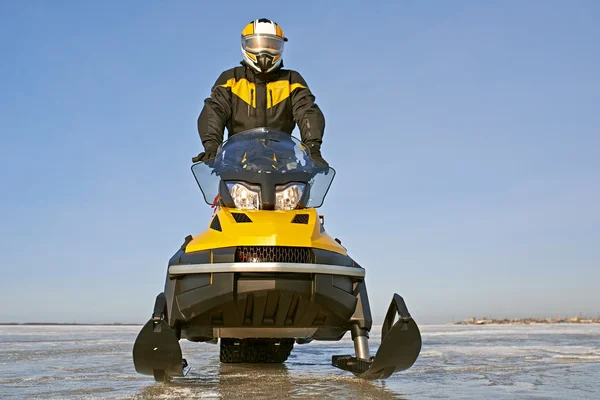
352 364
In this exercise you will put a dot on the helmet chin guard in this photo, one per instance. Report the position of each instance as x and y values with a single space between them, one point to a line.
265 62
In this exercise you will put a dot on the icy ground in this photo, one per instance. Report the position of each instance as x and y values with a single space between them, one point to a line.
539 361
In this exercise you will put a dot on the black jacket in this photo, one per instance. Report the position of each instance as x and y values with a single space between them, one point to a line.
242 99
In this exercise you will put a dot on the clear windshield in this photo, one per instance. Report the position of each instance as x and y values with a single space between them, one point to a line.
263 151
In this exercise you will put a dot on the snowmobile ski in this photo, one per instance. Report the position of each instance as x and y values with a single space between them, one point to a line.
156 350
399 349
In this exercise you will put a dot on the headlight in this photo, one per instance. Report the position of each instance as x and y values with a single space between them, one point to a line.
244 196
288 196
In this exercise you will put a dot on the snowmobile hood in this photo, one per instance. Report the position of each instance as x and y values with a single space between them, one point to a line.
233 227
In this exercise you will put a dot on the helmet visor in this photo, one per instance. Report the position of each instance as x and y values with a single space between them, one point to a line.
263 43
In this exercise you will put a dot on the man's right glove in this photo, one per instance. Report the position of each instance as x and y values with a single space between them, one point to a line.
208 154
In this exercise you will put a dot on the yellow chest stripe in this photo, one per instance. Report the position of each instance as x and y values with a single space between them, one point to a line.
277 91
243 89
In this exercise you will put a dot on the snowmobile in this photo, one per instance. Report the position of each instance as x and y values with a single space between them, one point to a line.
265 274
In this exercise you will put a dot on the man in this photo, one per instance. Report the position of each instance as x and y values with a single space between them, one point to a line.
260 94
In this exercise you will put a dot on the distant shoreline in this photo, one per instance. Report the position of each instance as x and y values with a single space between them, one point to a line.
470 321
529 321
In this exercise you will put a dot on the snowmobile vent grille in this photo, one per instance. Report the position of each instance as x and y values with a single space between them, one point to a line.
216 224
241 217
273 254
300 219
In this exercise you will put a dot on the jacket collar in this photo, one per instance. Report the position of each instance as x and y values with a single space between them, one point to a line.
254 76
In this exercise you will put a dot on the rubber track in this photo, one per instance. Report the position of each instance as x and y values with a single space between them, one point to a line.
255 350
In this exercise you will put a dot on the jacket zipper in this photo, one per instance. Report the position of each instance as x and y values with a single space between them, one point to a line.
265 104
271 95
251 101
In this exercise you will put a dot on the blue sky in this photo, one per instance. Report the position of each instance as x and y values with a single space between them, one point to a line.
465 135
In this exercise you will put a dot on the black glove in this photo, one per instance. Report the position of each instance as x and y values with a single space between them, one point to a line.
315 154
317 158
206 155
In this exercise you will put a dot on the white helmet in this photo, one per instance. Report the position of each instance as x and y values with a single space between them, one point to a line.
262 45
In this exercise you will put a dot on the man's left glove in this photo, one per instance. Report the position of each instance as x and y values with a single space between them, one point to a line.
317 158
315 154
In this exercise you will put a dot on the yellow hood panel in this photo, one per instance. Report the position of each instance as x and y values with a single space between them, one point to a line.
268 228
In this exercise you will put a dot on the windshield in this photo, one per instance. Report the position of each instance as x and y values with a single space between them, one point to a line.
263 151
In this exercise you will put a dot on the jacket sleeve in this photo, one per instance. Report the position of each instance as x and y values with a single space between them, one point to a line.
307 113
216 112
